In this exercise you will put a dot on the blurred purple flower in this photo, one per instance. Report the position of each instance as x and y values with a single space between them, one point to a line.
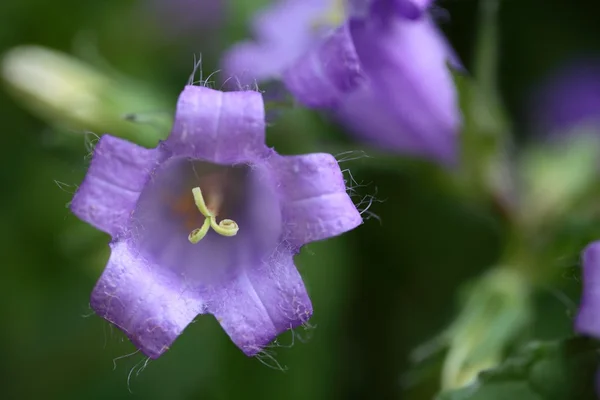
568 99
275 49
588 318
383 73
411 9
157 281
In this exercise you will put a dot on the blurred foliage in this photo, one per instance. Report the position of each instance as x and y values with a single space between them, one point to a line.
378 292
562 370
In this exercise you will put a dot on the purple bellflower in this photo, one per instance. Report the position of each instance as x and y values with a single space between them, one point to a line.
209 222
411 9
588 318
382 71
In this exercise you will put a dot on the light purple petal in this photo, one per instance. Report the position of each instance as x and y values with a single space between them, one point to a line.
150 304
297 15
223 128
588 319
327 72
406 61
112 185
314 199
265 300
274 50
368 117
248 63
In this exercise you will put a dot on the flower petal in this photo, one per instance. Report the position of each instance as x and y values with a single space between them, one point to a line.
328 71
272 52
368 117
588 319
297 16
223 128
315 203
415 83
264 301
411 9
248 62
151 305
112 185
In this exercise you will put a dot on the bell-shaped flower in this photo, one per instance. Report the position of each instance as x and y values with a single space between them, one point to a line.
381 69
208 222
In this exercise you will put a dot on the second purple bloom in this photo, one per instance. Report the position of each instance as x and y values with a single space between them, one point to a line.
380 67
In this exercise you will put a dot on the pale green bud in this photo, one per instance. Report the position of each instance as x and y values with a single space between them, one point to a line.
67 92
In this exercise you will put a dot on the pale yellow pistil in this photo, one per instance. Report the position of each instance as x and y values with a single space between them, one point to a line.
226 227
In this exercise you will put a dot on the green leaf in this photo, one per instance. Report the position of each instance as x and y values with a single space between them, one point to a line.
560 370
556 177
486 146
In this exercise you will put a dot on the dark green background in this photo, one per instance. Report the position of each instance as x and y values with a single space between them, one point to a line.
377 291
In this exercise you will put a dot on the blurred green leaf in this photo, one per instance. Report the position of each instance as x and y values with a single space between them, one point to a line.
555 178
486 143
560 370
495 312
486 147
